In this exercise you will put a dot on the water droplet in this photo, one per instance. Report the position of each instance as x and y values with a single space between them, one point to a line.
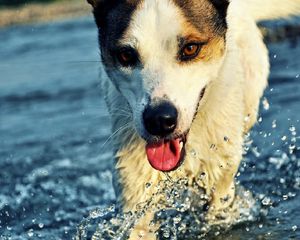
266 201
96 213
292 147
247 119
285 197
260 119
177 219
246 193
193 153
152 223
277 221
41 225
282 180
274 124
294 228
182 227
225 199
166 233
111 208
255 152
265 135
298 75
266 104
275 56
284 138
30 233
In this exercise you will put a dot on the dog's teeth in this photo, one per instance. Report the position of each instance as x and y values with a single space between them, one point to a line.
181 145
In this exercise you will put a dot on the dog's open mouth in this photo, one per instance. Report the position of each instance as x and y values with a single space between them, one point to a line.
166 155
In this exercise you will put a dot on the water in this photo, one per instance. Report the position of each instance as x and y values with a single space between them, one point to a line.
55 168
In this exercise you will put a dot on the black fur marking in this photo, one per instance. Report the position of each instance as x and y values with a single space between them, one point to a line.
221 7
112 18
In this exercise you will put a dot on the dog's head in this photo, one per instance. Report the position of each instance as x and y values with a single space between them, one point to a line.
161 55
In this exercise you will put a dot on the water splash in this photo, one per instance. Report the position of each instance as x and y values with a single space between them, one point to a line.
266 104
183 215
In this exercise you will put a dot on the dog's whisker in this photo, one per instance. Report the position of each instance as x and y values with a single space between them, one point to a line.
119 113
121 110
115 133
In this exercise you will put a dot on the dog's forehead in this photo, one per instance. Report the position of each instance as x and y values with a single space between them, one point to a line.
153 22
121 15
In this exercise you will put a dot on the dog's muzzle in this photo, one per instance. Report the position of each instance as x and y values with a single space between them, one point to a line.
160 120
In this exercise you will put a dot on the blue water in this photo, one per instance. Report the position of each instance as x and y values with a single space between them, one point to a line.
54 159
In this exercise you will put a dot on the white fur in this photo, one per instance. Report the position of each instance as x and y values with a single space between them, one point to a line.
229 109
269 9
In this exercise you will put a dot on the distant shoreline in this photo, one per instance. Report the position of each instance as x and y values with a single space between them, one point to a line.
35 12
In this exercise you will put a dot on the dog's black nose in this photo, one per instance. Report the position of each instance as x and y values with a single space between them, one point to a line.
161 119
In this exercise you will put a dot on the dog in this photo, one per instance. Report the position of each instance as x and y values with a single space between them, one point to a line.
183 78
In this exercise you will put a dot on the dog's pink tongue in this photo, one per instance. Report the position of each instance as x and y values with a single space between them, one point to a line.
164 156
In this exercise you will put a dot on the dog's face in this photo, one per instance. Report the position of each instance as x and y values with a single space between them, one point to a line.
161 55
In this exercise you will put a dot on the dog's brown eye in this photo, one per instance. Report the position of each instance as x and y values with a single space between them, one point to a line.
190 51
127 57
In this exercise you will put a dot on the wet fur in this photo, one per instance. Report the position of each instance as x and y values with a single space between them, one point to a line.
230 105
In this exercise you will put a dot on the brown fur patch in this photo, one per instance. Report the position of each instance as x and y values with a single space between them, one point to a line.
213 49
205 14
213 43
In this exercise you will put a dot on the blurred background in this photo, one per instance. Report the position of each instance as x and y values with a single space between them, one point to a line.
26 11
20 2
55 155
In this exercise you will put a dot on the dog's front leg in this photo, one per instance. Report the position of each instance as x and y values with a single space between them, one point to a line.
223 192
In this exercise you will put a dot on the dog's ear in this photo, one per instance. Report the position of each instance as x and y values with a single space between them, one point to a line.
100 9
221 6
94 3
